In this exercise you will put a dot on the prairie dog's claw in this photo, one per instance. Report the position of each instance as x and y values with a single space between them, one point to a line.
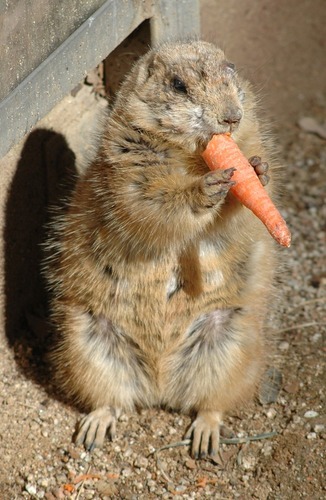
205 434
93 427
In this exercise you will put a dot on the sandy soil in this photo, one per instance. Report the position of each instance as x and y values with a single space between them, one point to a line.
39 458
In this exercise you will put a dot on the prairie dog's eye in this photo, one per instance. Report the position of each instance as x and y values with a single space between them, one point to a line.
228 67
179 85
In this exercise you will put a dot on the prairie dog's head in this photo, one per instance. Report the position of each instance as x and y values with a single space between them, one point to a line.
185 92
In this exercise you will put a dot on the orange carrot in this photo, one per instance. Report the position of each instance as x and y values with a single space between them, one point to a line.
222 153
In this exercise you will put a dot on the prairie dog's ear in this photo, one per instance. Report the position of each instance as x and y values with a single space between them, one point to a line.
155 62
140 69
148 64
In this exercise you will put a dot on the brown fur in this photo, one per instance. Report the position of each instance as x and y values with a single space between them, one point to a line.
161 280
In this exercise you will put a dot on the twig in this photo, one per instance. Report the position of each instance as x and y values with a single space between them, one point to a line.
248 439
307 302
302 325
187 442
26 405
81 486
241 451
164 474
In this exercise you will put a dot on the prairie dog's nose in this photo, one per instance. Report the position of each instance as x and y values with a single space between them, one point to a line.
232 115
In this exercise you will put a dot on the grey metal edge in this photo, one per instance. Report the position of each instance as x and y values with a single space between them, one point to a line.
101 33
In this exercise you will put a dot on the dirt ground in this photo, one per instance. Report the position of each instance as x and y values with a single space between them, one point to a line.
283 52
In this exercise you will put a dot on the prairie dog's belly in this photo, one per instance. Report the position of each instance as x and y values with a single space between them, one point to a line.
211 269
165 299
157 304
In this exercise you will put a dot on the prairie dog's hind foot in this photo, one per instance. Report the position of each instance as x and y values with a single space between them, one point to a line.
205 434
93 428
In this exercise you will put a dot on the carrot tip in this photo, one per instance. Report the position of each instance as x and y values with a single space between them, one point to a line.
281 234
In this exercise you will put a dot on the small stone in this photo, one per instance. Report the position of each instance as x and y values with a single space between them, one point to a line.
292 386
218 459
20 481
296 419
126 472
311 435
271 413
163 465
106 488
248 462
181 488
267 449
172 431
270 386
75 454
44 482
61 478
190 464
58 493
283 346
34 426
30 488
311 414
49 496
319 428
316 337
97 453
141 462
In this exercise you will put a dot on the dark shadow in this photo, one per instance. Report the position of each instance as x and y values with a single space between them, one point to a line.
44 175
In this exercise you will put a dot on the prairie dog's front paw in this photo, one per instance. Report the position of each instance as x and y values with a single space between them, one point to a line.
205 434
261 169
212 188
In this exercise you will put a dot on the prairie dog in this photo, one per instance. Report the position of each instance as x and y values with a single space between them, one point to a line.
160 279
